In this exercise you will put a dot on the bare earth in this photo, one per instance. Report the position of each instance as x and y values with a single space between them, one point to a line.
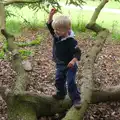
106 73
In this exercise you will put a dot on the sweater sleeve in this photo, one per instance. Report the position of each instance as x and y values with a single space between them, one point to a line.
77 51
50 28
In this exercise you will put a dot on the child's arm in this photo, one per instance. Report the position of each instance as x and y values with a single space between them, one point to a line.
49 22
75 59
77 55
50 18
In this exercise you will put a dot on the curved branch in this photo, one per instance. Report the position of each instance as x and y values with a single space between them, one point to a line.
87 78
92 24
47 106
77 3
108 94
21 78
44 105
8 2
97 11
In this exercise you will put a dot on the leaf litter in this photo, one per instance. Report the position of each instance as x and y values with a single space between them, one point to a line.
41 78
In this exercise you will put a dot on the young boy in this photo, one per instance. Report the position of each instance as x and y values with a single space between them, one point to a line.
65 54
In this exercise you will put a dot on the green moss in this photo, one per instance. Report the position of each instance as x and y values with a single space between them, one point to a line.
20 110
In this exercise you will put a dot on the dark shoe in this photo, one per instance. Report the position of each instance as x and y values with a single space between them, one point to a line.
77 104
58 97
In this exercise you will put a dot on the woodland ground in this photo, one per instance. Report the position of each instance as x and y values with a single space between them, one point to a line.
41 78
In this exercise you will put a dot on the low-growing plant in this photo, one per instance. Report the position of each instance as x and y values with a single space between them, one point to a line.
116 36
25 53
79 20
79 25
2 54
37 41
115 31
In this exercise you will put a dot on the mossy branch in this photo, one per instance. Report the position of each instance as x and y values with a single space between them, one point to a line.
21 78
92 24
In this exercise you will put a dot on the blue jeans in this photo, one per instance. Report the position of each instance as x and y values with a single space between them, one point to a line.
63 75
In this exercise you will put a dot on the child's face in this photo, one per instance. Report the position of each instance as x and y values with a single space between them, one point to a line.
61 32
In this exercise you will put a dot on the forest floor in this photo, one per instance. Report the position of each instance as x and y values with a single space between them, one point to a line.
41 78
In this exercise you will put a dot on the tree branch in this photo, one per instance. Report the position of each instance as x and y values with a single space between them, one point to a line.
92 24
74 2
47 106
88 65
108 94
44 105
8 2
21 78
87 78
97 11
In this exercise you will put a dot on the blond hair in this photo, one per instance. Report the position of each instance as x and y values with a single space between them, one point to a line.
61 22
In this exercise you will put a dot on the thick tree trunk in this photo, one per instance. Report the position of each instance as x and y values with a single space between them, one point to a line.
43 105
47 106
18 110
21 78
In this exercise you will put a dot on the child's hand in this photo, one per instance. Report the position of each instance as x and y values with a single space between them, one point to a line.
71 64
53 11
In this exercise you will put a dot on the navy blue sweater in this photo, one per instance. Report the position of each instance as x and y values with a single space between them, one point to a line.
64 49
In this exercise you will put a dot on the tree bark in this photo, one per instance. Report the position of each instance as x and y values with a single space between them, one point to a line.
20 110
97 11
92 24
108 94
47 106
16 109
8 2
21 78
